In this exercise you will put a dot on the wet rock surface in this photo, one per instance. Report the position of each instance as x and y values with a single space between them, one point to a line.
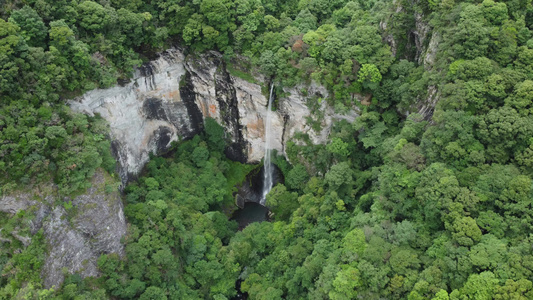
251 189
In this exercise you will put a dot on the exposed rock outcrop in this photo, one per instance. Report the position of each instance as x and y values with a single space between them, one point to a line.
76 237
143 127
169 98
12 204
431 51
421 44
421 33
425 108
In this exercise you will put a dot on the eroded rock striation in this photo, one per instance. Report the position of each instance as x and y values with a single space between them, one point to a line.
169 98
74 237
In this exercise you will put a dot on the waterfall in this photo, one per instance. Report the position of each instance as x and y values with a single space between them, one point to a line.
267 165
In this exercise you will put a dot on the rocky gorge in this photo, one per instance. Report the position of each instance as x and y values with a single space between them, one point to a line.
167 100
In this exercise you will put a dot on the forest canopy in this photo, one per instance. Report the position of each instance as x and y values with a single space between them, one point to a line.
401 204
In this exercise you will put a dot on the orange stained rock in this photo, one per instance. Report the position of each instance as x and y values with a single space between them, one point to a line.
212 110
256 128
173 94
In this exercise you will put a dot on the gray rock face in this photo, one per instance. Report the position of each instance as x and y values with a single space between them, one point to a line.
143 127
69 250
388 37
431 51
422 46
77 241
170 97
77 237
12 204
425 108
421 33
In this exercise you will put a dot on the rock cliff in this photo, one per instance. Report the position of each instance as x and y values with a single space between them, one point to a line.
169 98
75 235
421 43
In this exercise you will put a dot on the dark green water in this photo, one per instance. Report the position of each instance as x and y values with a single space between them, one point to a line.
252 212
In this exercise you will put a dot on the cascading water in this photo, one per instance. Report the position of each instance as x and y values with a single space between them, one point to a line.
267 165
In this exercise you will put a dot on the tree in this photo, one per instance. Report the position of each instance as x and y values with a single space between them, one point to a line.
193 29
489 254
271 22
305 21
354 242
345 283
371 129
369 76
522 99
453 140
60 34
219 22
297 177
441 295
215 135
479 286
520 289
491 222
515 201
504 130
131 24
282 202
494 12
31 25
339 148
153 293
465 231
471 38
268 62
339 177
93 17
11 44
200 156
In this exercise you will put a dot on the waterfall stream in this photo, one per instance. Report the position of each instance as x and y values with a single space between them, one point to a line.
267 165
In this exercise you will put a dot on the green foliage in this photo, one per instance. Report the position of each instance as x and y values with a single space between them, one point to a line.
60 145
31 25
394 207
338 147
281 202
297 177
25 265
215 135
369 76
240 74
176 228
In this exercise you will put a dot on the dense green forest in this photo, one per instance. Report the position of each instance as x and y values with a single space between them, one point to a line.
396 206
